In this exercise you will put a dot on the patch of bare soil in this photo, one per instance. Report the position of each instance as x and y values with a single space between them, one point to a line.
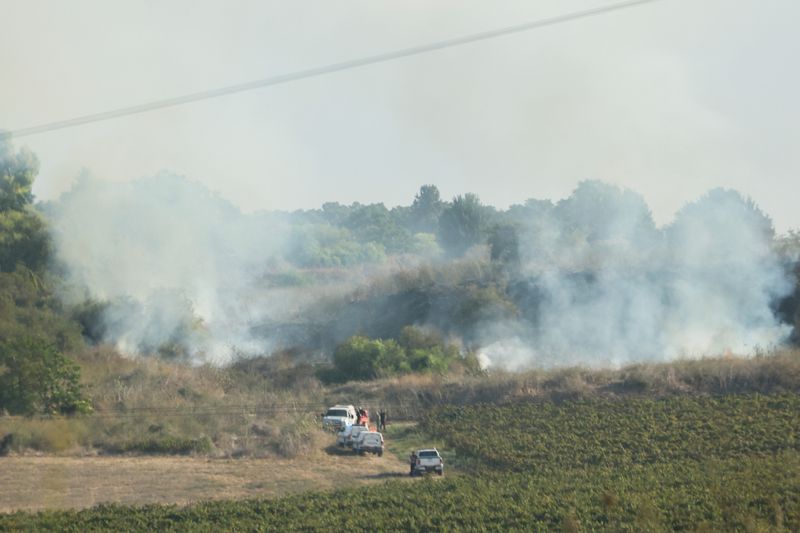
36 483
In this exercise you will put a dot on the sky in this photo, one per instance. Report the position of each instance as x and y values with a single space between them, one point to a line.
669 99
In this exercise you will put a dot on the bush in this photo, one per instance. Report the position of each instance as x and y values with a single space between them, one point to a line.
417 350
44 435
363 358
167 445
36 378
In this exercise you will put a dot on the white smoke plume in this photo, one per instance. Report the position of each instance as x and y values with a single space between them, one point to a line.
183 271
177 263
613 289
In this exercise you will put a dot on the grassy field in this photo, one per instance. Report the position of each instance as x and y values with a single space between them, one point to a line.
36 483
727 463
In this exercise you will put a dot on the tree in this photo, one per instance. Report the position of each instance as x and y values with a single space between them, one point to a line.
24 240
37 378
504 245
722 227
17 172
374 223
426 209
30 307
601 212
416 350
364 358
461 224
23 235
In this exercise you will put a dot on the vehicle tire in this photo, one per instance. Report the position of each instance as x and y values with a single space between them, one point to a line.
440 472
380 454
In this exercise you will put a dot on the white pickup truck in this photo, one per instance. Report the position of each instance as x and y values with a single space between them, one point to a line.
427 460
339 417
369 442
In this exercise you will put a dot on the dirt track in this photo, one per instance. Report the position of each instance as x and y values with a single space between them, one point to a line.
35 483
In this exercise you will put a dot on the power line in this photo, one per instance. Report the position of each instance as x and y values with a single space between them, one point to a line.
397 408
319 71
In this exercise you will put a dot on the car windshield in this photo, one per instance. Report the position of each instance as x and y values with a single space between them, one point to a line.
429 453
336 412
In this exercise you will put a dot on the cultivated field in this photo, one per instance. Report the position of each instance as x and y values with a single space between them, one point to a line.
694 463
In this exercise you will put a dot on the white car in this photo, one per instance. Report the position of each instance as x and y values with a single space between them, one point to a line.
369 442
339 417
426 460
353 435
345 437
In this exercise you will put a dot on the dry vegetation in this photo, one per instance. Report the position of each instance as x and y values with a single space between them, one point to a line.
271 409
778 371
36 483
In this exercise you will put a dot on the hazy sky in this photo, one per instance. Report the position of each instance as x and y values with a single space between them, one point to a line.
670 99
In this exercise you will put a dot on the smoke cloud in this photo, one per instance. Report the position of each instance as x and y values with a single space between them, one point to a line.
184 273
613 289
176 263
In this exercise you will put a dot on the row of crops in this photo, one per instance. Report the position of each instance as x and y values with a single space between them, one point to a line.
618 434
692 464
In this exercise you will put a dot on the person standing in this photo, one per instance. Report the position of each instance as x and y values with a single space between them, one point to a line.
382 420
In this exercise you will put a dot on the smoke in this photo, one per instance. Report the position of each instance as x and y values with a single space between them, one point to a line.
176 264
613 289
184 273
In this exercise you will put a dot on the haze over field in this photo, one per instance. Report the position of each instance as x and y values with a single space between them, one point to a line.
597 282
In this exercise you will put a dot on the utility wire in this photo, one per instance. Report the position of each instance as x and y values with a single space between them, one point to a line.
227 410
320 71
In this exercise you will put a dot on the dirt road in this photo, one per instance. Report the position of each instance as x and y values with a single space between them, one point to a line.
34 483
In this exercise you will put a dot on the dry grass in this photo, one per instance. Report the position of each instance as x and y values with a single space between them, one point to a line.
150 404
775 372
35 483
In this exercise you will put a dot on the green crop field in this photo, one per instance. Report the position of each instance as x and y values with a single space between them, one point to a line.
619 434
730 463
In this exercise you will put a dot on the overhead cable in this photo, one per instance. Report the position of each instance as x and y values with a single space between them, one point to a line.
320 71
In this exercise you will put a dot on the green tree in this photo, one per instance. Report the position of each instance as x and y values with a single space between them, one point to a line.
426 350
17 172
24 240
462 224
23 235
374 223
29 307
426 209
322 245
37 378
601 212
504 245
360 357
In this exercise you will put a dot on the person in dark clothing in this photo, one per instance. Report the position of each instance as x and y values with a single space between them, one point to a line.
382 416
412 461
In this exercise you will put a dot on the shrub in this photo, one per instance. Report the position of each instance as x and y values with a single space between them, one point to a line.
36 378
416 350
163 445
